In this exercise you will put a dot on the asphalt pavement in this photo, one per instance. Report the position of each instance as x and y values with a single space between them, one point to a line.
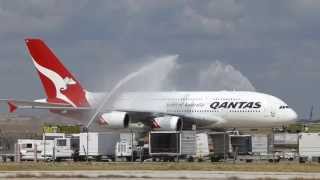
157 175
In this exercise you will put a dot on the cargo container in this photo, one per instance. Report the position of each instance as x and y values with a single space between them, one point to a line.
98 145
309 146
172 143
260 144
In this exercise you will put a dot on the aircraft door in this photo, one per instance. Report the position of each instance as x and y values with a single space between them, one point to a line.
273 112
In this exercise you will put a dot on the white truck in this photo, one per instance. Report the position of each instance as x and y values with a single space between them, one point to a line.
27 148
98 145
44 147
309 147
66 148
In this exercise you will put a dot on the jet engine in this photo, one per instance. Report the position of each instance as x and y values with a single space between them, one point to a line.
114 119
167 123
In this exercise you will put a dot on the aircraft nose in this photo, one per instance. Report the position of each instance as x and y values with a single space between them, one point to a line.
292 116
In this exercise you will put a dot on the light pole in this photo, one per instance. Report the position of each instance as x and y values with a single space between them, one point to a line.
131 144
86 129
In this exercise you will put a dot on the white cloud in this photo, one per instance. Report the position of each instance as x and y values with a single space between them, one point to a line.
36 15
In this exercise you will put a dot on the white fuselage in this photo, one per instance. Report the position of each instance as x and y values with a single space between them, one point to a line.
231 109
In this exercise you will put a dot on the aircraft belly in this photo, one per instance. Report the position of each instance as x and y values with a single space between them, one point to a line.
249 121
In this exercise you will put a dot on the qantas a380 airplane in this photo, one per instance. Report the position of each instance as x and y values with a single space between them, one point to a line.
157 110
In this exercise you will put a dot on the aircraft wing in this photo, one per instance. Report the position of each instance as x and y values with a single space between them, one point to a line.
139 115
25 104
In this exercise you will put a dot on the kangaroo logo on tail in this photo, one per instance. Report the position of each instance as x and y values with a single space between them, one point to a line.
59 83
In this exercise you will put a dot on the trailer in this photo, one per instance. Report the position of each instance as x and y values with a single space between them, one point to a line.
168 145
309 147
98 145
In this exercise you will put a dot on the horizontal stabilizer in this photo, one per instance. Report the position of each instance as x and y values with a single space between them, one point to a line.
24 104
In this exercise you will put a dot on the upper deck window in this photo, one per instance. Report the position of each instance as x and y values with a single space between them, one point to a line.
283 107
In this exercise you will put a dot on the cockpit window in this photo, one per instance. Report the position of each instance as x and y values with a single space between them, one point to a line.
283 107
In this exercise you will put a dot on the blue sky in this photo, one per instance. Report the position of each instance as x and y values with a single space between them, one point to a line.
273 44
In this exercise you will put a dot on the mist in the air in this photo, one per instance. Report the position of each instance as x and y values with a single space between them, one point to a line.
219 76
153 75
169 73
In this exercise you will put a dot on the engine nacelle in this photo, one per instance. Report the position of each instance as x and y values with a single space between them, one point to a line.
167 123
115 119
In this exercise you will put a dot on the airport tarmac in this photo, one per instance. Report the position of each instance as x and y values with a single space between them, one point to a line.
156 175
